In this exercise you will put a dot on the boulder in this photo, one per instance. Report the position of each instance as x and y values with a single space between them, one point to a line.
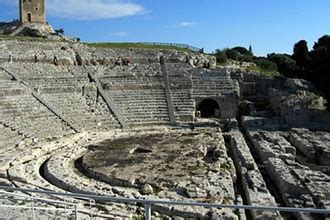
146 189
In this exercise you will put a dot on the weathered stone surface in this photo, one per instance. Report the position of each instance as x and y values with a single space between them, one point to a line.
253 184
314 145
46 93
146 189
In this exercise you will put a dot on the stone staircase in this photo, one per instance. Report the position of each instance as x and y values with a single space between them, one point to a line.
181 91
168 92
108 100
18 30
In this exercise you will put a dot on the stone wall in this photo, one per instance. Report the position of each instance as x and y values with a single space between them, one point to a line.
32 11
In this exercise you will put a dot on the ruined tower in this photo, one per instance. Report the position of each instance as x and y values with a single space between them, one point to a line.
32 11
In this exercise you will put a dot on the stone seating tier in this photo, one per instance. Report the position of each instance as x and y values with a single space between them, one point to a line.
142 106
25 114
9 138
181 89
85 116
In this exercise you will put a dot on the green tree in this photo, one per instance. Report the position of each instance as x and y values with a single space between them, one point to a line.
241 50
251 50
286 65
320 66
221 56
266 64
59 31
323 41
232 54
301 54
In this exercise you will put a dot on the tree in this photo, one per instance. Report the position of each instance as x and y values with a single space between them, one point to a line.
232 54
242 50
243 54
301 54
59 31
251 51
221 56
323 41
286 65
266 64
320 65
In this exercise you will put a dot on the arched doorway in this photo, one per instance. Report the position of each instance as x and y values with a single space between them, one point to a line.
208 108
29 17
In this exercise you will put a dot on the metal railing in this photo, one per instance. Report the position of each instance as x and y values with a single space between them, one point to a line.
58 205
148 203
179 45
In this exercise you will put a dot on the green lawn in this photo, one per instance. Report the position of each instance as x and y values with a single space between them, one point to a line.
262 71
21 38
138 45
103 44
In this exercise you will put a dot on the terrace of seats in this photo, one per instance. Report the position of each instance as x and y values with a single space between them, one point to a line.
20 111
9 139
69 91
212 83
139 93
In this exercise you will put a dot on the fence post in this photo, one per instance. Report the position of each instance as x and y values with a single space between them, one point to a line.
33 211
91 201
66 211
147 216
76 212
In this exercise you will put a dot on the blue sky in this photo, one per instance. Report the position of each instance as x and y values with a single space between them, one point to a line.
268 25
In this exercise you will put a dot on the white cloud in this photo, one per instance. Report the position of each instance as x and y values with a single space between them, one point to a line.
186 24
93 9
90 9
119 34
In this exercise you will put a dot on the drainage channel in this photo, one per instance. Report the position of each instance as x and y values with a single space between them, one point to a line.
238 186
269 182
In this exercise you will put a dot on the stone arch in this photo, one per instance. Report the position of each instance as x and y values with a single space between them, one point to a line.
208 108
29 17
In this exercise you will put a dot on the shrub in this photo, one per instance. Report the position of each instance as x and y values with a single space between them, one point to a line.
221 56
266 64
59 31
232 54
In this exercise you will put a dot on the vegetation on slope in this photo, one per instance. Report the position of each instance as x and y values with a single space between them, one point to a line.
102 45
312 65
21 38
138 45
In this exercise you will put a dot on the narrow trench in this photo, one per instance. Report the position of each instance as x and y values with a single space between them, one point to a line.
78 165
43 174
238 187
269 182
42 171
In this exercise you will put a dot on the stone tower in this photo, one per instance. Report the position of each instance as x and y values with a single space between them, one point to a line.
32 11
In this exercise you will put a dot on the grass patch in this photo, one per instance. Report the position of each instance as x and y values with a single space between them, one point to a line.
262 71
138 217
137 45
100 44
157 190
25 38
223 63
225 166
